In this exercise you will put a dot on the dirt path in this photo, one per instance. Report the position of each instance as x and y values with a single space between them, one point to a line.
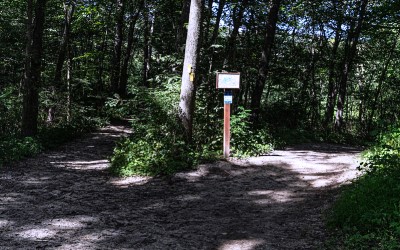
66 200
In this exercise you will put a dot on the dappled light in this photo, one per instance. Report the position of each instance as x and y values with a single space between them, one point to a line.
66 199
241 244
83 165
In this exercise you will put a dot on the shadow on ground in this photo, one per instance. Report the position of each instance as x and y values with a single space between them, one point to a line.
65 199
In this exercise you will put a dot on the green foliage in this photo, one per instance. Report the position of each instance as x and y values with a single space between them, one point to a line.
384 157
156 147
368 212
247 141
10 111
12 149
148 157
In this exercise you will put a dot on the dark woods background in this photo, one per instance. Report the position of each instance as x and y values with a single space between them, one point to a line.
326 68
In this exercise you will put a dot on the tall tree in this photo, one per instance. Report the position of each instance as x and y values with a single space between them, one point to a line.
350 53
118 40
238 13
147 49
332 93
265 59
181 31
33 66
188 87
69 7
128 53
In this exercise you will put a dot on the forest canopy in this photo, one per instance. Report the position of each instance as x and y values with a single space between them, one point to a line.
326 67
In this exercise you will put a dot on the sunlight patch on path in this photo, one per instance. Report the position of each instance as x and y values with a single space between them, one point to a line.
274 196
130 181
320 169
83 165
241 244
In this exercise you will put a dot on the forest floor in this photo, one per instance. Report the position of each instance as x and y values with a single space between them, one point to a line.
66 199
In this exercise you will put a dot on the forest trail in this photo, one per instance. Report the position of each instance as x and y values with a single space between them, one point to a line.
65 199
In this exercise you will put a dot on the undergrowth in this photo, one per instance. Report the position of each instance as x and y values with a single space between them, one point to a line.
14 148
367 215
157 146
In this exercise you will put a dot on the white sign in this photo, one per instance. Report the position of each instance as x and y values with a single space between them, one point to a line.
227 80
228 99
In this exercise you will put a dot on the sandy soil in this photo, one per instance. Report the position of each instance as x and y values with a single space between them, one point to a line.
65 199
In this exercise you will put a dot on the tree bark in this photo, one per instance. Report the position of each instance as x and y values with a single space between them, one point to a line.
116 58
34 50
266 55
215 33
181 30
381 81
128 53
188 88
69 7
148 23
332 93
350 53
229 62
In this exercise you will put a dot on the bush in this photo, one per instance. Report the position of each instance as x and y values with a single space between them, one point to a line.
156 147
12 149
368 212
245 141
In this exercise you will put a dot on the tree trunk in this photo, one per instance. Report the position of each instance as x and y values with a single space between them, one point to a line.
350 53
181 30
116 58
265 59
381 81
332 93
215 33
188 88
209 15
124 69
214 36
35 28
148 23
230 57
69 7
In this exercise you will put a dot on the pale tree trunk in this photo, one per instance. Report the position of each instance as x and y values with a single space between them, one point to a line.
69 70
332 93
33 67
69 7
350 53
188 88
265 59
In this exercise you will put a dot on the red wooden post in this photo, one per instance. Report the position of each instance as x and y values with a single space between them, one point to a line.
228 82
227 129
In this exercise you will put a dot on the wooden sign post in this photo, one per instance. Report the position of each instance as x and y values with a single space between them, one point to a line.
227 81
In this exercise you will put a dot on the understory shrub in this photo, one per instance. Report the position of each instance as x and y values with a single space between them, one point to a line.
368 212
157 146
14 148
247 141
